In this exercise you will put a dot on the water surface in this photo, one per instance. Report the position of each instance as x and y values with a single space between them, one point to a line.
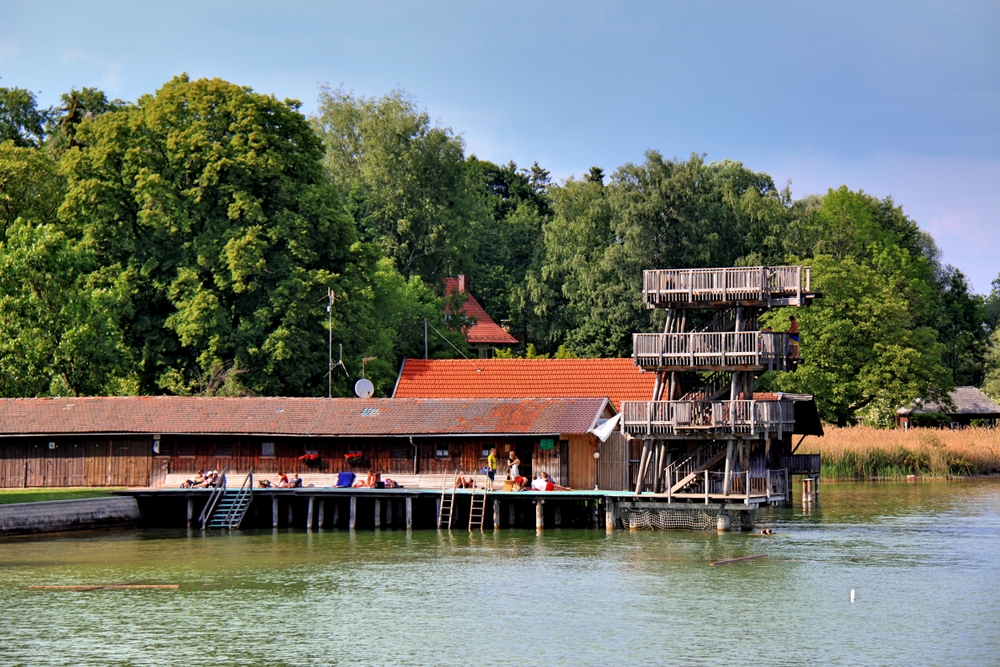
922 559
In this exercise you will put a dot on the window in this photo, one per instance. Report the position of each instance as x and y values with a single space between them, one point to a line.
223 450
267 450
486 450
186 449
442 452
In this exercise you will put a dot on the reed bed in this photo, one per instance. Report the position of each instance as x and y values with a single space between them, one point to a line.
864 453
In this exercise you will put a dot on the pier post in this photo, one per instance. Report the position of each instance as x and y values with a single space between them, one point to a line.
409 512
322 513
388 512
336 513
190 511
274 511
510 514
611 515
496 514
378 513
309 514
539 514
290 517
557 512
354 512
437 503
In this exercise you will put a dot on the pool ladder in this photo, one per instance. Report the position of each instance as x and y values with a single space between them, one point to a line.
226 508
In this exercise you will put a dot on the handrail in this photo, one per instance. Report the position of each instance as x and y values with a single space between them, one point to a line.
740 416
712 348
246 491
213 500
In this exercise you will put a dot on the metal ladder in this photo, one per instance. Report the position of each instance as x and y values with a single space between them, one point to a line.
477 511
447 501
232 506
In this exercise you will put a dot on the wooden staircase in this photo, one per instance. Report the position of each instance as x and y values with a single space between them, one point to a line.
690 469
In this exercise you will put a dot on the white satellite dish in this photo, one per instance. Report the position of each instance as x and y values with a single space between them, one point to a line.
364 388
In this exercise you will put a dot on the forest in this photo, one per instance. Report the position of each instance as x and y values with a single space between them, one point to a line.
186 243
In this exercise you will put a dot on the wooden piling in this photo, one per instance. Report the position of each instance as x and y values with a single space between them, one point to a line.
610 515
388 512
290 517
409 512
496 514
190 511
319 519
378 513
336 513
274 511
437 504
557 514
354 512
539 514
309 514
510 514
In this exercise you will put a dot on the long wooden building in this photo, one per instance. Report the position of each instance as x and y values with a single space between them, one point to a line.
139 440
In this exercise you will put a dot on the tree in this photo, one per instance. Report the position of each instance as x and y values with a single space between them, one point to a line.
21 121
406 181
212 200
77 106
30 186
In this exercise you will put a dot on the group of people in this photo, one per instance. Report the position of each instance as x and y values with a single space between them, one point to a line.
203 480
282 483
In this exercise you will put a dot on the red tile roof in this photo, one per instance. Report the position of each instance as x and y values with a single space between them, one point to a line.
485 331
296 416
617 379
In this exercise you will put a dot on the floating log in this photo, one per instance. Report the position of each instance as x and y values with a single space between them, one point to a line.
736 560
97 587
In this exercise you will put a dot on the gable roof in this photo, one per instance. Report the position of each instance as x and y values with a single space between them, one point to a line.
617 379
968 401
485 331
297 416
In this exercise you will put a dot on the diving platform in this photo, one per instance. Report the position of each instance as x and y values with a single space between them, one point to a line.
691 420
757 286
756 351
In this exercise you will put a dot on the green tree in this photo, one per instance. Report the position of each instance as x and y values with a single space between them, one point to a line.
406 180
212 200
21 121
30 186
77 106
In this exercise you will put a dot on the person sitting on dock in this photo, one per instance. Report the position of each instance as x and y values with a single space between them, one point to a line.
283 482
373 480
296 481
197 482
465 483
544 483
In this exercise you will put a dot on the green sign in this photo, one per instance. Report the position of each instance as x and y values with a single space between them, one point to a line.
547 443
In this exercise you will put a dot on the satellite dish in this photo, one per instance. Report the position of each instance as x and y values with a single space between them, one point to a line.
364 388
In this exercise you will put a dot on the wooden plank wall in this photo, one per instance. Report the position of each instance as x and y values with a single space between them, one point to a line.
612 467
123 461
582 466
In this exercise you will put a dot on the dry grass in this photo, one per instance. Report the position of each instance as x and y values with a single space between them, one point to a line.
860 452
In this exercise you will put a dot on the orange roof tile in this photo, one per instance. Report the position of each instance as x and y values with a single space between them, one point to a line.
297 416
616 379
485 331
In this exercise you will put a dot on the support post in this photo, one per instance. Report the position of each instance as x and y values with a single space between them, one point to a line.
729 467
643 462
290 518
274 511
539 514
336 513
309 514
437 503
409 512
496 514
748 486
388 512
510 514
352 521
610 515
190 511
557 511
322 514
706 487
378 513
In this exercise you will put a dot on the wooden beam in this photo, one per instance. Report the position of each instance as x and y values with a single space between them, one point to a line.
309 514
352 521
274 511
409 512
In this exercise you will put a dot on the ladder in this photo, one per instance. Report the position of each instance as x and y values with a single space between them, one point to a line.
477 512
447 500
232 506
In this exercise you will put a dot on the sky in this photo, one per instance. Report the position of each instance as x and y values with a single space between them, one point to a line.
898 99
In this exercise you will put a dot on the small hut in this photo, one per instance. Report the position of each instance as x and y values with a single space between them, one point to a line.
968 404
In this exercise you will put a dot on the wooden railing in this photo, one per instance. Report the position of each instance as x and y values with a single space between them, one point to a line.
742 485
697 350
652 418
756 283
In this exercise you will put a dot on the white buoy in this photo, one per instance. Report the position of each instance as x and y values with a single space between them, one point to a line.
852 595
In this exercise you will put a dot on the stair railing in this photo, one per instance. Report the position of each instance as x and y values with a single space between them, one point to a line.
213 500
234 517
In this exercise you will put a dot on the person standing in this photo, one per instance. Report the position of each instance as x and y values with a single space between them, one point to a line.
491 465
513 464
793 336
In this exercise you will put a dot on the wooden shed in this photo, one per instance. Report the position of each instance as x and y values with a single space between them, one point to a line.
967 404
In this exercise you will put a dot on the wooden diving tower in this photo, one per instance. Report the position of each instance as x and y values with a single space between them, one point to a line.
715 440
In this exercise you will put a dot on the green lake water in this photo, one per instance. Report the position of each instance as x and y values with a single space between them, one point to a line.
924 560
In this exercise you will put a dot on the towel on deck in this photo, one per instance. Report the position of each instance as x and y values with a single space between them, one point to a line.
345 480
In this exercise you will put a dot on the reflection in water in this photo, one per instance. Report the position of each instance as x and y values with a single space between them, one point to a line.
920 556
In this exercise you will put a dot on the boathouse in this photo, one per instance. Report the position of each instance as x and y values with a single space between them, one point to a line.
967 404
146 440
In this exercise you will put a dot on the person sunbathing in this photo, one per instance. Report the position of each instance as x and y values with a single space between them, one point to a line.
465 483
283 482
296 481
543 482
264 483
373 479
198 481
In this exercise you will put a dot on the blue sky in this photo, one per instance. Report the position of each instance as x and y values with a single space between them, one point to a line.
896 98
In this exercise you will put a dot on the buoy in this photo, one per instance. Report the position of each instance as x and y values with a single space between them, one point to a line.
852 595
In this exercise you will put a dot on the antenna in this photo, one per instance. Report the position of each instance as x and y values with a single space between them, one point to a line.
329 350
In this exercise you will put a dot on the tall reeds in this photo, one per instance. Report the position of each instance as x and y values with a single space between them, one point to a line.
861 452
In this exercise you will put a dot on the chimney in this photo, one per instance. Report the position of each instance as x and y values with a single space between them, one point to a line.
461 282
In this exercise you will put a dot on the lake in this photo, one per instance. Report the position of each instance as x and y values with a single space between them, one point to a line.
921 557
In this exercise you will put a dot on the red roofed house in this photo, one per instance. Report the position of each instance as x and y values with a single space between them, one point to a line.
615 379
485 334
137 440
